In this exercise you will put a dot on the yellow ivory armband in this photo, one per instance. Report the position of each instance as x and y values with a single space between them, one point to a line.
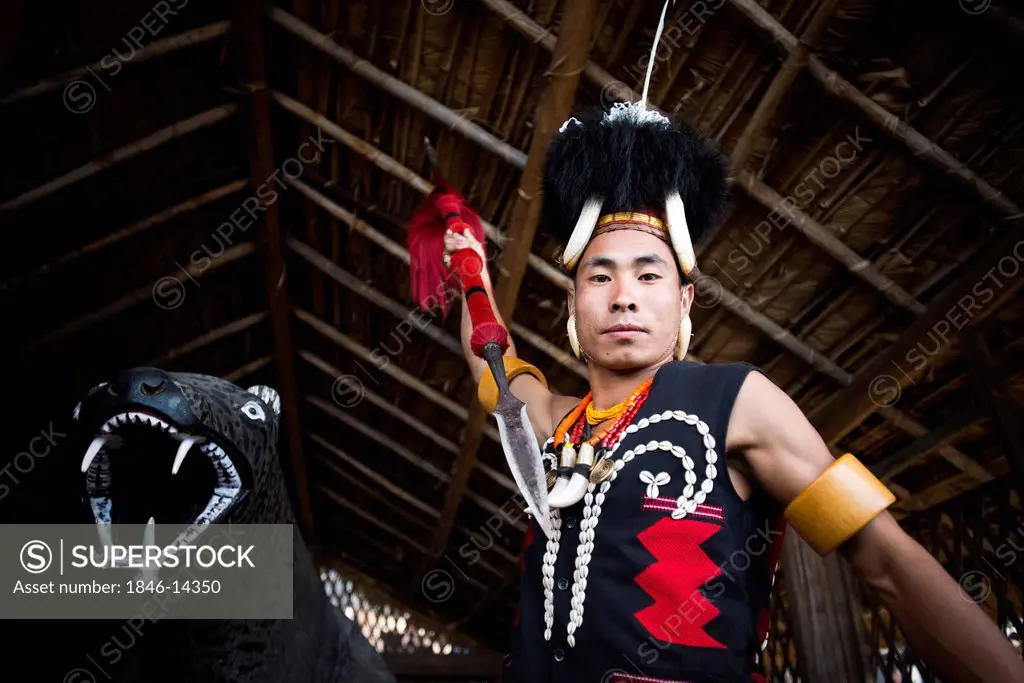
487 390
838 504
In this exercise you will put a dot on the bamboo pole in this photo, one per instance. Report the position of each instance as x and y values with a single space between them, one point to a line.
389 83
918 450
144 293
401 451
247 369
568 59
396 373
852 405
395 412
122 154
390 369
389 164
374 520
206 339
392 445
392 247
363 289
351 481
951 454
780 335
304 75
372 475
539 35
780 85
918 145
1005 414
248 35
817 234
129 231
803 222
356 224
157 48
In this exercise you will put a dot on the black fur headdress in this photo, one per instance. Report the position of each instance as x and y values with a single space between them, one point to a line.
631 159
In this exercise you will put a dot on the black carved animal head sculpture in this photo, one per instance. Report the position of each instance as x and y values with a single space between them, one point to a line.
191 450
181 448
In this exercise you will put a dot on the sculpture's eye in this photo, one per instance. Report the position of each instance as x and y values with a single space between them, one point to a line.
254 411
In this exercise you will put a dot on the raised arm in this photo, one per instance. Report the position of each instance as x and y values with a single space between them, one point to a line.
786 456
526 381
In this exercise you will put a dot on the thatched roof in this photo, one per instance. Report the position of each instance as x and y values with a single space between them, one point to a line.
894 129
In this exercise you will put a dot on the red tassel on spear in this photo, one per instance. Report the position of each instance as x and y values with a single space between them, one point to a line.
443 209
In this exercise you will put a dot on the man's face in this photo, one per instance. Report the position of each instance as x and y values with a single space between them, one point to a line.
628 301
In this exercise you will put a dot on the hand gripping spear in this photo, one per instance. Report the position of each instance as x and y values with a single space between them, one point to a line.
445 209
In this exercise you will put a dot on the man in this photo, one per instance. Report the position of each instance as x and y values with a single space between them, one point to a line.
669 482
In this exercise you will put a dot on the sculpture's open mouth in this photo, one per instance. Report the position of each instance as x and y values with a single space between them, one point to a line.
142 469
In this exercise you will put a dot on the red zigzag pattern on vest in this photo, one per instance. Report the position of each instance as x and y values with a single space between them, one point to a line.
679 612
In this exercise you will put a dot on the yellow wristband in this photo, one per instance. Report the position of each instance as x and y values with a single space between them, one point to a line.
838 504
487 390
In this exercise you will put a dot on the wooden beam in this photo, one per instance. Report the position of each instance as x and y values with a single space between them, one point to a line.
377 479
406 175
248 33
1006 418
1007 21
918 450
916 143
826 601
402 452
830 244
861 397
387 82
368 431
772 201
147 292
206 339
238 374
780 85
349 281
128 231
338 274
400 376
390 369
157 48
122 154
538 35
568 60
952 455
729 300
304 73
371 518
392 410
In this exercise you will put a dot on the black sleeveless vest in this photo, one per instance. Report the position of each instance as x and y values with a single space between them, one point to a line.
642 584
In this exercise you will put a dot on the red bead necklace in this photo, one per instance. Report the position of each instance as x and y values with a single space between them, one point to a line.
610 435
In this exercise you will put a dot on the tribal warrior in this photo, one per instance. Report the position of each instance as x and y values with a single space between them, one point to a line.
671 481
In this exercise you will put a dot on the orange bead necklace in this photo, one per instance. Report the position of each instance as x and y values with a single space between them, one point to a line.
626 410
